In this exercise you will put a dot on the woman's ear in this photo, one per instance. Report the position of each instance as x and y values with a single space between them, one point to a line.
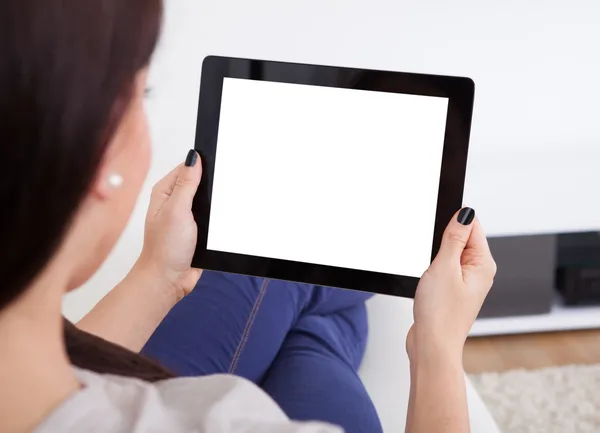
127 157
108 181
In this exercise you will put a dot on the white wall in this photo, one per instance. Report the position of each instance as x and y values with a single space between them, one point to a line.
536 132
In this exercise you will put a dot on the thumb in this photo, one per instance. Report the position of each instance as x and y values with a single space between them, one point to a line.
477 261
456 236
190 280
187 181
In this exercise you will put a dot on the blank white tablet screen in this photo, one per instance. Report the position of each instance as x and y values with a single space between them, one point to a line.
328 176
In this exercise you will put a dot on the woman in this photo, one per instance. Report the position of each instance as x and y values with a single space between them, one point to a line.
74 153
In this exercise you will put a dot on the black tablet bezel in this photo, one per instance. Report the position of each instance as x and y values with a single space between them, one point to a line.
459 91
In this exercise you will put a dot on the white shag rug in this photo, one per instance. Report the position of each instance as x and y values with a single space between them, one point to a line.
550 400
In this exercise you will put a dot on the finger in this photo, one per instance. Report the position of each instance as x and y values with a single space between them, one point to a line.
456 236
187 181
162 190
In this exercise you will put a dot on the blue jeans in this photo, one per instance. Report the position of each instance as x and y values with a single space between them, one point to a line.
301 344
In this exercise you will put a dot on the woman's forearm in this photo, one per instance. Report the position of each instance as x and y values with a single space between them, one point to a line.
438 400
129 314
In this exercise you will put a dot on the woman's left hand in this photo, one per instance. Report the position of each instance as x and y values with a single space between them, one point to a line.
171 232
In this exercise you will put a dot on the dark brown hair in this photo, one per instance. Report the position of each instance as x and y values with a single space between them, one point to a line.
98 355
67 74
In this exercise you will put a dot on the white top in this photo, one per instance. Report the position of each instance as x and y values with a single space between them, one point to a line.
212 404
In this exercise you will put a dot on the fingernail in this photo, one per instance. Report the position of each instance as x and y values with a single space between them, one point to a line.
191 158
466 216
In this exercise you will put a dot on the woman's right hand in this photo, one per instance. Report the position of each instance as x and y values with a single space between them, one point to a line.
451 292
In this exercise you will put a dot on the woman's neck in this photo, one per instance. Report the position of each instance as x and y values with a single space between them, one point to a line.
35 374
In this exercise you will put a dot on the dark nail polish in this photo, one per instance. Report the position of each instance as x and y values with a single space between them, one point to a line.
191 159
466 216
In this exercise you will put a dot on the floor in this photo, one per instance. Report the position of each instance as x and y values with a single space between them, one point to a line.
531 351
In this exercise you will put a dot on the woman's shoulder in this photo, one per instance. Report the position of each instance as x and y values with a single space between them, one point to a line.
212 404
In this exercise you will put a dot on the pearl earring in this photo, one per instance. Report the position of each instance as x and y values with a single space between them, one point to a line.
115 180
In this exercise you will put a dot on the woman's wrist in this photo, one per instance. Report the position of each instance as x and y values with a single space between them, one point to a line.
152 280
130 312
426 346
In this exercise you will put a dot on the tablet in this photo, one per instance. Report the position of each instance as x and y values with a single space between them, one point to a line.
327 175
